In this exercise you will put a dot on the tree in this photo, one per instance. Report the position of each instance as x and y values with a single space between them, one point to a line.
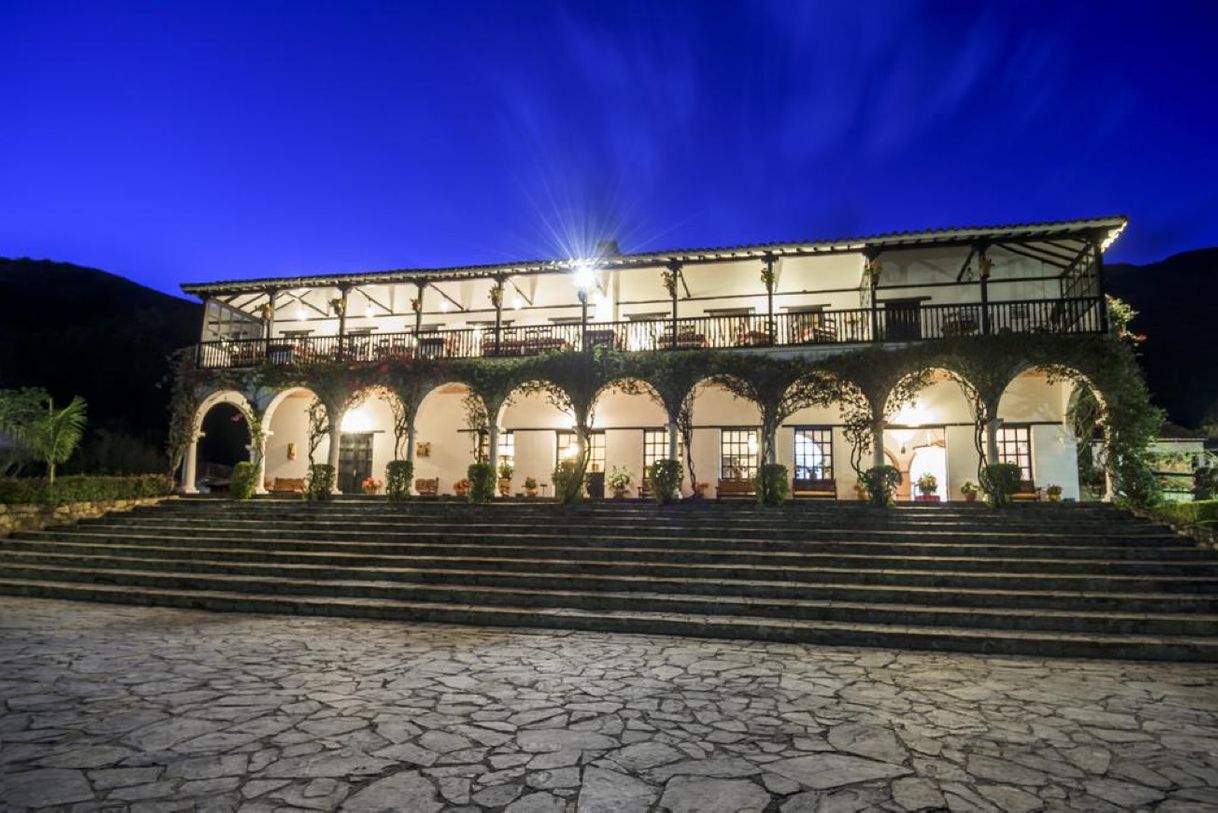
19 411
57 433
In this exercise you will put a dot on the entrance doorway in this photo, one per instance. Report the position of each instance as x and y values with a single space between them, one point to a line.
915 451
354 461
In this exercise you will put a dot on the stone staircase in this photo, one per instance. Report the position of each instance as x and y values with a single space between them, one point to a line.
1054 580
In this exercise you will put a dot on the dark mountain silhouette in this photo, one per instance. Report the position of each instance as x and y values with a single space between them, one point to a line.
1177 304
80 331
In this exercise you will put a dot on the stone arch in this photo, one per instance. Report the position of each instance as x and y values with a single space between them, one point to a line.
532 414
443 445
241 407
628 420
936 405
285 435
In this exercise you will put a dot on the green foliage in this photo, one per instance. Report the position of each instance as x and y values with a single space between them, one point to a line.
772 485
1190 513
53 437
481 482
319 482
1205 483
999 481
568 482
244 481
969 487
82 488
928 483
619 478
398 474
20 410
881 483
506 470
664 480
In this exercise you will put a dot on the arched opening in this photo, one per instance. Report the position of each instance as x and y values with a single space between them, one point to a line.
224 441
1041 415
285 424
631 426
932 433
534 435
444 444
367 441
725 441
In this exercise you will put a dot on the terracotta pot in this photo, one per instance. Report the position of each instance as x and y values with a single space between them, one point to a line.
970 496
505 486
530 492
1053 497
619 493
927 498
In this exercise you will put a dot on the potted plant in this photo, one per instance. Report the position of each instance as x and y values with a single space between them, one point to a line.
928 485
619 480
372 485
700 490
530 487
461 487
505 478
970 490
1054 493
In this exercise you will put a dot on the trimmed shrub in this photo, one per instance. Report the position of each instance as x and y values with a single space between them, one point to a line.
1000 481
319 483
398 474
1191 513
568 485
82 488
772 484
881 483
664 480
482 482
244 481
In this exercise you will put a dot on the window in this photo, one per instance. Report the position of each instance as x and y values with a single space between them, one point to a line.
567 450
655 446
738 454
507 447
813 453
1015 446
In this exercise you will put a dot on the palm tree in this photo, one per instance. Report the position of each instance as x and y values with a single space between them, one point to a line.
56 434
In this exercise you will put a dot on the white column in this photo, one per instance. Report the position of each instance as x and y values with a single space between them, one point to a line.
190 465
877 444
492 447
258 458
410 435
336 435
672 441
991 440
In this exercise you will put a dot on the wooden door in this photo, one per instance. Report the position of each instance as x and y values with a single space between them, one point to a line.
354 461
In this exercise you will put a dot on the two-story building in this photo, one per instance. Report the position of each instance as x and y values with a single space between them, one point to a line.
798 299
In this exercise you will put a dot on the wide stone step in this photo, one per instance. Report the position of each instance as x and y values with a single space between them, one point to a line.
616 558
921 574
648 549
15 562
614 531
1065 644
1107 623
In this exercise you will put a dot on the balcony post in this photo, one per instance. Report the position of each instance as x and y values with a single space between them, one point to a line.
416 305
583 319
341 307
670 283
984 263
871 270
1099 279
497 301
767 277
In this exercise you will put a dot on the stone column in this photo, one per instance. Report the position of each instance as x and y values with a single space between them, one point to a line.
336 436
672 441
258 458
410 436
492 445
190 464
991 439
877 444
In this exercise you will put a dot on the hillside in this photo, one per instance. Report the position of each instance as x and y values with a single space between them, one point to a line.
1177 301
76 330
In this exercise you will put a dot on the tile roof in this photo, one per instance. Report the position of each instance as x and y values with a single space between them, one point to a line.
1112 226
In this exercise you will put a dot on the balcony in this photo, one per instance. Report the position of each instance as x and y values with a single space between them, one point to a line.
904 323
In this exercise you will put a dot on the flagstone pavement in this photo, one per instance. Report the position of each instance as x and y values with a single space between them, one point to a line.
128 708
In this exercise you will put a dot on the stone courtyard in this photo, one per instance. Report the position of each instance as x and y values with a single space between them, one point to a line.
128 708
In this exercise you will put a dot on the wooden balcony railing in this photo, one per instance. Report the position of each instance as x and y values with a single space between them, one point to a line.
904 323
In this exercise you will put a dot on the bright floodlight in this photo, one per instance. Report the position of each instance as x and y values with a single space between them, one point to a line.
584 278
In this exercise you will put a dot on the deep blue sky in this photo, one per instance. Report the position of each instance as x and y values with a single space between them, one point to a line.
191 141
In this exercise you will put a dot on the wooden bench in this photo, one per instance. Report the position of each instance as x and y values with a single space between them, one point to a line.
735 488
1027 491
815 489
287 485
427 487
